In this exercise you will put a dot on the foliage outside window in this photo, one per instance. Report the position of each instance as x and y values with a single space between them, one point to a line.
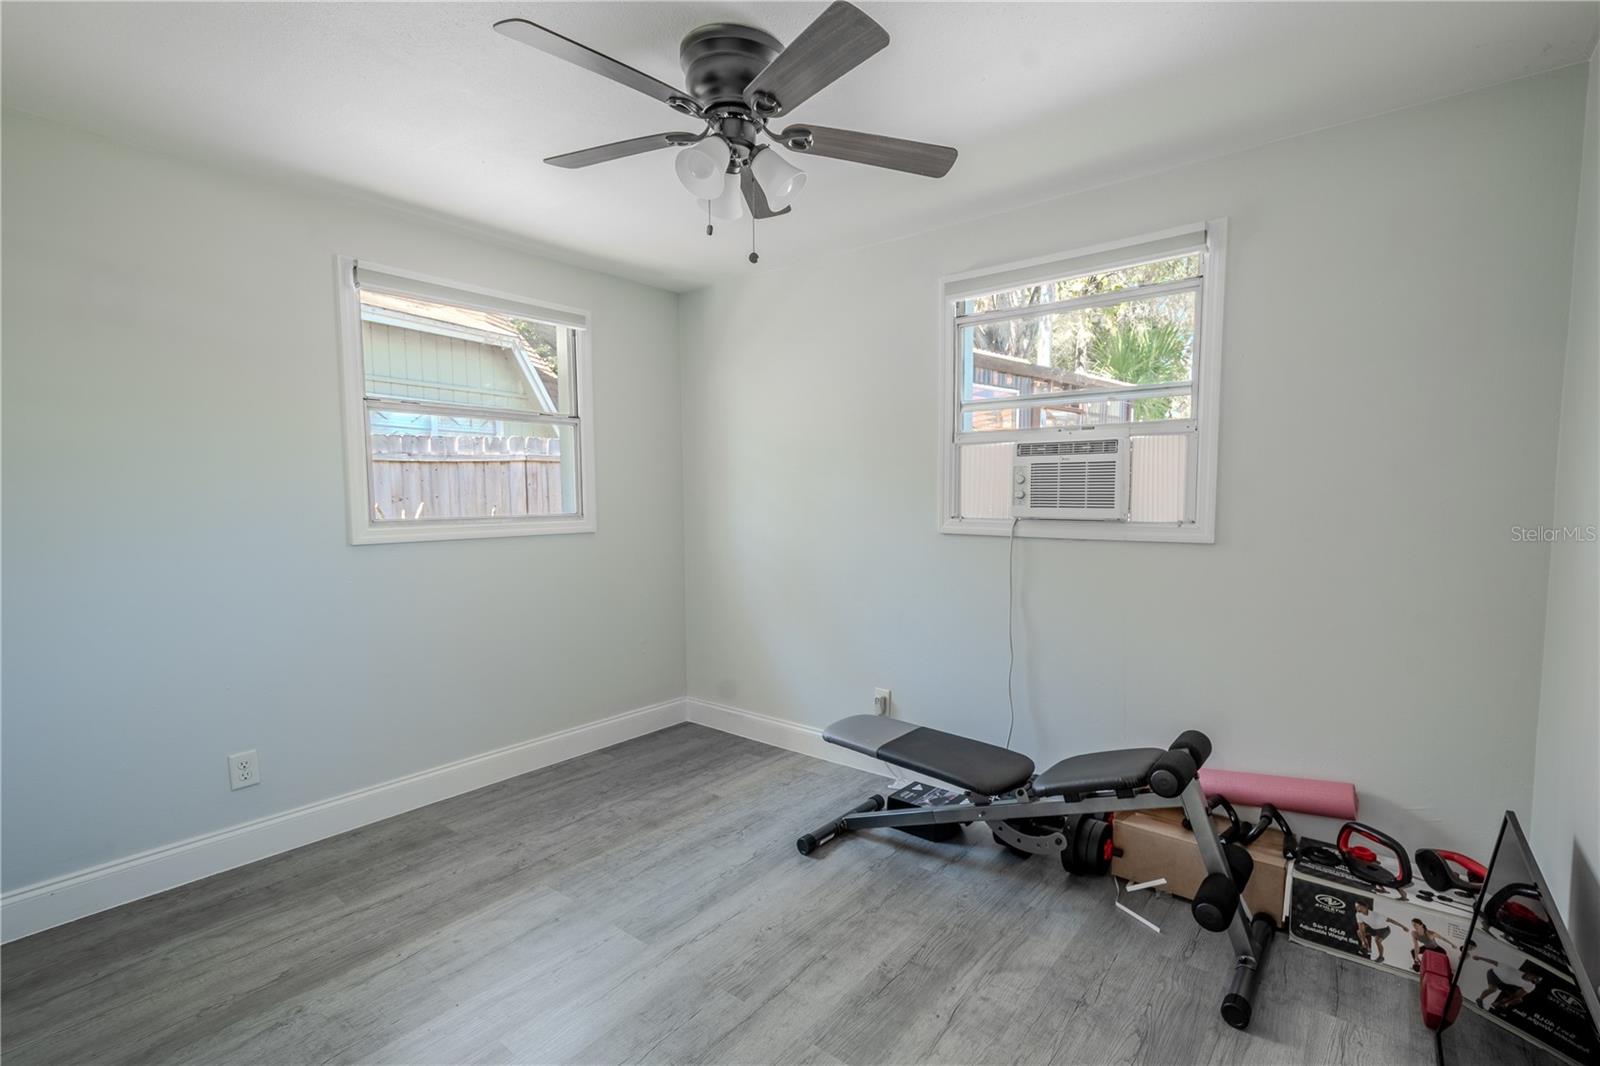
1142 340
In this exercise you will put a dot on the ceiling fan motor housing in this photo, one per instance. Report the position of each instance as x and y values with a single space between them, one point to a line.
720 60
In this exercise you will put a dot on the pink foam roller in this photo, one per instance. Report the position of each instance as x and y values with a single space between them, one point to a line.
1331 799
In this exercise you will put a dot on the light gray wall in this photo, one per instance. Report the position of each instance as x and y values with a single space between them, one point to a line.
177 581
1395 331
1364 614
1566 795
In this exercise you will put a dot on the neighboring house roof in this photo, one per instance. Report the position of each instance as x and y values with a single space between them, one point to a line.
491 329
467 317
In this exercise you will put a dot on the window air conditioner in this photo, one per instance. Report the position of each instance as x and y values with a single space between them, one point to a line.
1079 477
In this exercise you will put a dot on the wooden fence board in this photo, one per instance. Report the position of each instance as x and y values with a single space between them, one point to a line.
465 476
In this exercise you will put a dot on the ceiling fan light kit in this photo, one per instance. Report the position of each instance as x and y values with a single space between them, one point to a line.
738 79
779 179
729 203
702 167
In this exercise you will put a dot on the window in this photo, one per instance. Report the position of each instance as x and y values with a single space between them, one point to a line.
1121 338
466 412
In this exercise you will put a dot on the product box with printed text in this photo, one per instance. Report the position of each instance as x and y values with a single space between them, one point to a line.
1528 988
1333 910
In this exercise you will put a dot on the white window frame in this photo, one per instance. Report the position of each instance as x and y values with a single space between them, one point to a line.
1206 372
361 527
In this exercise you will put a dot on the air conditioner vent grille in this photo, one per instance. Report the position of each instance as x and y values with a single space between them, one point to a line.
1081 477
1074 484
1102 446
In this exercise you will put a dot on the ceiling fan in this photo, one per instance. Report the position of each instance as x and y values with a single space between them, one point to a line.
738 80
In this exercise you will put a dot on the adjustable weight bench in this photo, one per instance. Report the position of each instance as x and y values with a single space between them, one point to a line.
1042 814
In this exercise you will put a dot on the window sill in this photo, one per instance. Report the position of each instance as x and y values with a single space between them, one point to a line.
470 529
1060 529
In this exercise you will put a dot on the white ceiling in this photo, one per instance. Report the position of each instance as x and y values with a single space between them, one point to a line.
422 104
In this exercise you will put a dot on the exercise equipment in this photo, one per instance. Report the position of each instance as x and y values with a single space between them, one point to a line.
1518 912
1438 868
1245 835
1363 861
1304 795
920 794
1440 999
1318 851
1270 816
1360 859
1083 841
1056 812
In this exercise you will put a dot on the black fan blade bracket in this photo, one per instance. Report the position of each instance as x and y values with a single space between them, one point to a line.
891 153
837 41
552 43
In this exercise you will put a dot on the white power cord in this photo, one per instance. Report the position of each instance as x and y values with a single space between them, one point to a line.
1011 644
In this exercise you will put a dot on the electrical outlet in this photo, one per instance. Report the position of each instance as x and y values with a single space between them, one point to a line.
244 770
880 701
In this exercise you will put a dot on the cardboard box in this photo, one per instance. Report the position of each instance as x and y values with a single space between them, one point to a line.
1333 910
1152 844
1530 992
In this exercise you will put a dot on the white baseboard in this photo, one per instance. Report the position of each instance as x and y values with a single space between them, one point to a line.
63 899
46 904
778 733
792 736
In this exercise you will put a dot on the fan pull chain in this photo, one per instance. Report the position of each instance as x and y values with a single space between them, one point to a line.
754 258
708 218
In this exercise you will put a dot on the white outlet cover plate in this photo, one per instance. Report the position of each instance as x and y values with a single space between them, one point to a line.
244 769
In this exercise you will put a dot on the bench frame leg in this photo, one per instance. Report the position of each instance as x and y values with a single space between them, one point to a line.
1250 935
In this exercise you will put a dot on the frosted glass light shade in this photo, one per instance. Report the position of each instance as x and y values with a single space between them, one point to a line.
729 203
779 179
701 167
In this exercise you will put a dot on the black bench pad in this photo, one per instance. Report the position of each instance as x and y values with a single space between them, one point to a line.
969 764
1098 771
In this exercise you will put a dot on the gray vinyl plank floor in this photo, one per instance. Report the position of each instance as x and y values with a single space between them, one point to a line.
645 904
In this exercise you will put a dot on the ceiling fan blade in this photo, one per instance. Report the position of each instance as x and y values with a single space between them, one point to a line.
604 153
756 198
840 39
552 43
913 157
